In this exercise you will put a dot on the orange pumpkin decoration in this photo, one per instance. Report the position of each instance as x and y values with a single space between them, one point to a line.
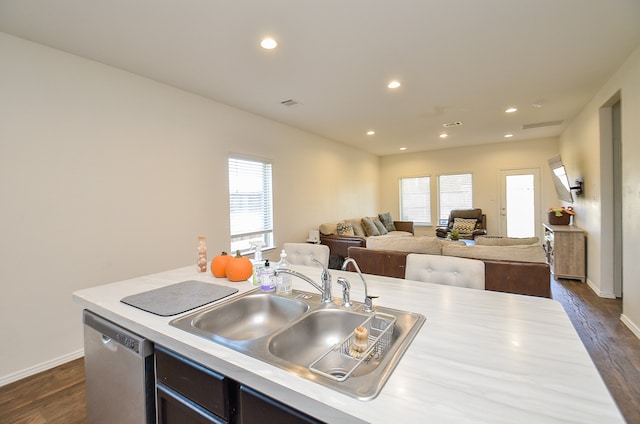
239 268
219 265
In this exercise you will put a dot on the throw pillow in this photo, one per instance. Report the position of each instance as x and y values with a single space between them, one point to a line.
344 229
357 227
387 221
464 226
379 225
370 228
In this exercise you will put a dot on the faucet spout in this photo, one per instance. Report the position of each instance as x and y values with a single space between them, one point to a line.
368 300
325 289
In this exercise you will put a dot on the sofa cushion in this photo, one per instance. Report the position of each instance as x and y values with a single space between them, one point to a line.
344 229
370 228
328 228
521 253
423 244
387 221
505 241
464 225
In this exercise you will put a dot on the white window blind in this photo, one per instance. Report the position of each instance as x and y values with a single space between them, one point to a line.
415 200
250 203
454 192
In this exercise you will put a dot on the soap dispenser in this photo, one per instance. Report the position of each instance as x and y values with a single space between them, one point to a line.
257 262
267 277
283 280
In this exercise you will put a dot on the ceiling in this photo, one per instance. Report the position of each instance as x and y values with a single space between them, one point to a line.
457 60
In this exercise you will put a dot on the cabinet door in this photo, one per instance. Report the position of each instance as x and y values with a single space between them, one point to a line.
254 407
173 409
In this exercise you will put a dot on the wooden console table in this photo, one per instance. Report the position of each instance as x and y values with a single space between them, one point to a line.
565 249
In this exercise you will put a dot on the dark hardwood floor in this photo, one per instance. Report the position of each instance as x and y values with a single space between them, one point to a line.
57 396
613 347
53 396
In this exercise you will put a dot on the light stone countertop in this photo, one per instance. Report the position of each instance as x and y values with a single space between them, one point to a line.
481 356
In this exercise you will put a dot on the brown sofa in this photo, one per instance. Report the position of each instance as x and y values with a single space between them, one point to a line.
528 278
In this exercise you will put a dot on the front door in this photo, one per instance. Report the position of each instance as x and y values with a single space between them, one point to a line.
519 211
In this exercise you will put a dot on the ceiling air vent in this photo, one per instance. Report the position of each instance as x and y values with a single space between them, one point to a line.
289 103
452 124
541 124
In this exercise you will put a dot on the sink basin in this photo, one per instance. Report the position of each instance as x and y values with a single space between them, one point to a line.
304 336
311 337
246 318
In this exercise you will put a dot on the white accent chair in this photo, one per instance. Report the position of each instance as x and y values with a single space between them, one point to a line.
447 270
305 253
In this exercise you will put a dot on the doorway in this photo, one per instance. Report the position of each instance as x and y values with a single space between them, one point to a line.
519 204
611 197
616 132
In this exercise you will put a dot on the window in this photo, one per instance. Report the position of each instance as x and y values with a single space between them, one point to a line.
250 203
454 192
415 200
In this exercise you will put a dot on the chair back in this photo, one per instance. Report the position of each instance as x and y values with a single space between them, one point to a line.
305 253
447 270
475 213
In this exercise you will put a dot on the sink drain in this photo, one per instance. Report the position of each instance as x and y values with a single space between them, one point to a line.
338 372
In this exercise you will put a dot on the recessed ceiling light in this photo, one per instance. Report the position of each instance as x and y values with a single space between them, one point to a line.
403 148
444 135
508 135
268 43
511 110
393 84
371 132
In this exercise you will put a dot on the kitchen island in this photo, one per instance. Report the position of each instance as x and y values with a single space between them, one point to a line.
481 356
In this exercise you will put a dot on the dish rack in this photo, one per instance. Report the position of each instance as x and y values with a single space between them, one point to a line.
338 364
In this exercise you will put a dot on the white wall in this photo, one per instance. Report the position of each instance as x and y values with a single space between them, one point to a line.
484 162
105 175
580 147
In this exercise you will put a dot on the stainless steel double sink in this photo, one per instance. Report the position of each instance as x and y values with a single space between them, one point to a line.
302 335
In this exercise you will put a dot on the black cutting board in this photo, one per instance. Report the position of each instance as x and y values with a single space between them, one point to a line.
178 298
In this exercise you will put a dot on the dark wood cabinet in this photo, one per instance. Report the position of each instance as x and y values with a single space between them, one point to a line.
200 385
254 407
187 392
173 408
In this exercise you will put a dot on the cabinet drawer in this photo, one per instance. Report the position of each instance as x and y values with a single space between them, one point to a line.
173 409
255 407
193 381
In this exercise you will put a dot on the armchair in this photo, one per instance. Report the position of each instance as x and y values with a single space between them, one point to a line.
479 229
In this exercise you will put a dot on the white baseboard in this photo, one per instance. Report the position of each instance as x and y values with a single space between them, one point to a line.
41 367
634 328
599 293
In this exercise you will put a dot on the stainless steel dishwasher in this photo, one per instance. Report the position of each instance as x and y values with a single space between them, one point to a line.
119 373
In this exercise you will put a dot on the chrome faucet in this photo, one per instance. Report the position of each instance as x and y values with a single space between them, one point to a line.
325 279
368 300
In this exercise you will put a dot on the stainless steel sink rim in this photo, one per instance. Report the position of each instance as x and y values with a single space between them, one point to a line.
363 386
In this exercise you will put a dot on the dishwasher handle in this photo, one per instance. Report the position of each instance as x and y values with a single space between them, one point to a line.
114 333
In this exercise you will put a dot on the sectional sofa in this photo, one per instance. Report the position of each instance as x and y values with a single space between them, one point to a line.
510 266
